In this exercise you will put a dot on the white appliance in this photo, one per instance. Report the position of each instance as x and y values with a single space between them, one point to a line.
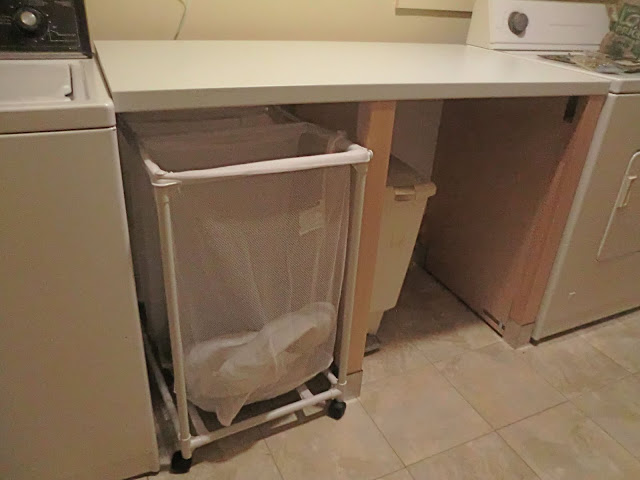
75 400
596 272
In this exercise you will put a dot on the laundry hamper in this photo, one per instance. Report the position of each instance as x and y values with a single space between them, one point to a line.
259 231
141 209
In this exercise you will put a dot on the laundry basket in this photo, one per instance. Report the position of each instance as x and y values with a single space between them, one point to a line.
258 228
141 209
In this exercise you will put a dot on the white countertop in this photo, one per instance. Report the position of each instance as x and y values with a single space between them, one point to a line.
155 75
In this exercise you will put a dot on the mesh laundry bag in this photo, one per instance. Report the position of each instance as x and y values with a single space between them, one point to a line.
259 261
141 209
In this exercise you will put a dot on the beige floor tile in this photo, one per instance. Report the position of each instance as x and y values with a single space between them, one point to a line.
454 330
616 408
619 341
633 322
399 475
421 414
501 386
239 457
434 319
351 448
563 444
631 318
486 458
419 284
392 359
404 324
397 325
573 366
410 319
594 327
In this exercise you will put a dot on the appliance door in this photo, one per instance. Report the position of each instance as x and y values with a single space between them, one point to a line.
75 397
623 231
597 270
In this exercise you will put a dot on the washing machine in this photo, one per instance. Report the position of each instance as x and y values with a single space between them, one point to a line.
596 273
75 400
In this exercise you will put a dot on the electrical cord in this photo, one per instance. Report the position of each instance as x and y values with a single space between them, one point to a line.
185 4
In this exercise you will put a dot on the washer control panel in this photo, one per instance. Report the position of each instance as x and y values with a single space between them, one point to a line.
537 25
44 28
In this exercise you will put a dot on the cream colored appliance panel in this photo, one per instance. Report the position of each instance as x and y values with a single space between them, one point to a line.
24 82
623 231
584 287
75 400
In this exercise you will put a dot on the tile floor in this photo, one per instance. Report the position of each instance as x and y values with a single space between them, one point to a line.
446 399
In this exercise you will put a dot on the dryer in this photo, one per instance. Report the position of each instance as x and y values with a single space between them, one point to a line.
596 273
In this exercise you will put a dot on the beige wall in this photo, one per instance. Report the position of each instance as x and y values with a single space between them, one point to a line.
358 20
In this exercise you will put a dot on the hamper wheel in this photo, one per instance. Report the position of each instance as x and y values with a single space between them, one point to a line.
179 464
336 409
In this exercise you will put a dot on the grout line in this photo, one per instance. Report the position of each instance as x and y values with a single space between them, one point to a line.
454 446
449 449
539 476
606 383
273 458
606 355
412 344
533 415
432 364
464 398
392 473
606 432
403 372
424 355
566 399
383 435
520 359
602 427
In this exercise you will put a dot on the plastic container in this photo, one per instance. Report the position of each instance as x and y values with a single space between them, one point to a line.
405 200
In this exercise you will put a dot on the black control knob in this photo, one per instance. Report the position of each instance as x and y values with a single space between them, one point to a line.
29 20
518 22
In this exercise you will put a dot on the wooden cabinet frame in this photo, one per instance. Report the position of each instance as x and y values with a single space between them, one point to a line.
371 124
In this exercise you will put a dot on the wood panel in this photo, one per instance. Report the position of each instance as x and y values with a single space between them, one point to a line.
495 159
371 123
546 232
507 171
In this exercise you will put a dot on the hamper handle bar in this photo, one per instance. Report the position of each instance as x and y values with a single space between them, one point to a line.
354 154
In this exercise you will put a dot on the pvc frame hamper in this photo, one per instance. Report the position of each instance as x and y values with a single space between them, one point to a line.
345 161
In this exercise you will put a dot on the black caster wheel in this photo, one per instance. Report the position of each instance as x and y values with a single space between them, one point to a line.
179 464
336 409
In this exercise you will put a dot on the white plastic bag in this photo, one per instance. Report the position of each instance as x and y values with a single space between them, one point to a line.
228 371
